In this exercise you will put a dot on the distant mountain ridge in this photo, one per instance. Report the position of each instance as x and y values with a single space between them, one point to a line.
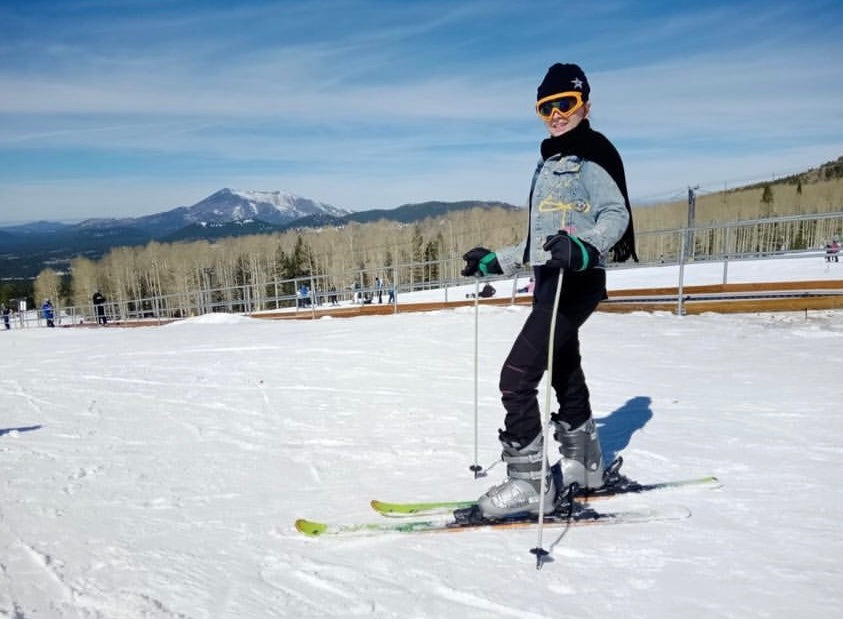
406 213
226 205
26 249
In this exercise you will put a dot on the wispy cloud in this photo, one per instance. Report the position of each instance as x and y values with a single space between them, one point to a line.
379 103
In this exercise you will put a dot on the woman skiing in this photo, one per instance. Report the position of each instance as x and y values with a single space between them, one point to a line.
578 212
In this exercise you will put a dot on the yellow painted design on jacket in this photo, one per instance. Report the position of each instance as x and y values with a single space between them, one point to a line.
549 205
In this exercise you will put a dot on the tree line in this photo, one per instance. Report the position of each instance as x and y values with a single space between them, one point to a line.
338 257
427 250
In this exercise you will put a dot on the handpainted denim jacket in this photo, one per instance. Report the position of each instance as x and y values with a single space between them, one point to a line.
572 194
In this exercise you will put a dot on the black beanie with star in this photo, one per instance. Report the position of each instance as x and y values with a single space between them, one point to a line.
563 78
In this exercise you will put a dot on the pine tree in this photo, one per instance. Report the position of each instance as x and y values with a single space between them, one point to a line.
767 201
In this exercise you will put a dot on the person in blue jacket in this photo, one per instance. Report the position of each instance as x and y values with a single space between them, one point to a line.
578 214
304 296
47 312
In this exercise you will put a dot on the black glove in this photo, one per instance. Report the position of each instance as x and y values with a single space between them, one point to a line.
570 253
481 261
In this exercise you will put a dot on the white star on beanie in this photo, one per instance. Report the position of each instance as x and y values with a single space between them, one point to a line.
577 82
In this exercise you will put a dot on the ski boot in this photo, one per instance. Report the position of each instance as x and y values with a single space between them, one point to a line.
582 457
520 492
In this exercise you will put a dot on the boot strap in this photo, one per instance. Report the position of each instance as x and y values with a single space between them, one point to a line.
524 466
531 474
523 459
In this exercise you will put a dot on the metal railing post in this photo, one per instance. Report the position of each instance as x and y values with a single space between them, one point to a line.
680 308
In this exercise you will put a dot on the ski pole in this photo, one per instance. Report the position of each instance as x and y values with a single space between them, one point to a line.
476 468
539 550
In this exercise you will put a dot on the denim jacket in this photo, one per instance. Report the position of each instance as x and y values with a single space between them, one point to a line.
572 194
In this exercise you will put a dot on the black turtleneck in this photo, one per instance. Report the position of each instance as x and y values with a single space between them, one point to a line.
584 142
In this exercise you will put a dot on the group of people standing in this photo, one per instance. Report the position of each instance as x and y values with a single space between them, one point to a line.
48 312
376 292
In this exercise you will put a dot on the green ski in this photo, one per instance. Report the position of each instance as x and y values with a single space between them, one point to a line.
620 487
447 524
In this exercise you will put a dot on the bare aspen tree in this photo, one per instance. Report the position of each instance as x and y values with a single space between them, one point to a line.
84 280
46 286
119 270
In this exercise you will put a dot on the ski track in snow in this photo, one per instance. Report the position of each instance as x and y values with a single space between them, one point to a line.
157 472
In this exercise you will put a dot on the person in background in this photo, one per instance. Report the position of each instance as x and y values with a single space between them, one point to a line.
304 296
488 292
47 312
7 317
832 249
99 305
529 287
578 213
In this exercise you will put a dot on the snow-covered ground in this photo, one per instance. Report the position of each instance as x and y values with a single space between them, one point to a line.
157 472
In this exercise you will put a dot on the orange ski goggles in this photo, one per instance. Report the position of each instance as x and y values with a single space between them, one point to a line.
566 103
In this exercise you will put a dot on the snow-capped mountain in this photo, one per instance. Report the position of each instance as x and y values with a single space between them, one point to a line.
273 207
277 208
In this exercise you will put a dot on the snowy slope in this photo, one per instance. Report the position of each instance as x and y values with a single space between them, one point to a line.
157 472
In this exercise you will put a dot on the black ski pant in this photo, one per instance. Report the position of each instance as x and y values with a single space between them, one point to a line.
527 361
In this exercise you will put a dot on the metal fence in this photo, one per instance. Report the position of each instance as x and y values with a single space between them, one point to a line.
747 238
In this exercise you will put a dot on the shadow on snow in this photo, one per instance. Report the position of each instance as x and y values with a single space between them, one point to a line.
4 431
617 428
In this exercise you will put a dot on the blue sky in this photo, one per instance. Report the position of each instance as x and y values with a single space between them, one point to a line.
112 109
